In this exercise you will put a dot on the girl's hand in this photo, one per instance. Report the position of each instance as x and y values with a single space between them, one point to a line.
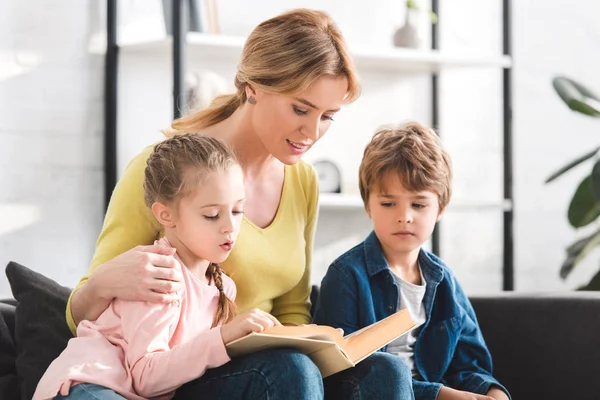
252 321
144 273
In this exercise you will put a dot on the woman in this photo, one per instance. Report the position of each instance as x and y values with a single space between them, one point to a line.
294 75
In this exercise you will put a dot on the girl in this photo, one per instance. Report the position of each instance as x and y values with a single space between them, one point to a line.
194 187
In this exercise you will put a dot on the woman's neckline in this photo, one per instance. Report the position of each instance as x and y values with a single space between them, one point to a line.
279 206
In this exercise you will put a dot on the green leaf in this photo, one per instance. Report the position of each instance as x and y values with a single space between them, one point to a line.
410 4
584 208
578 251
576 96
433 16
596 180
572 164
593 284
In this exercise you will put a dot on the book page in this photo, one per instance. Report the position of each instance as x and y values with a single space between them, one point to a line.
259 341
366 341
316 332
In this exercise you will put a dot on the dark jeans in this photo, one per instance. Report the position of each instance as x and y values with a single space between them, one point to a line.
271 374
285 374
380 376
288 374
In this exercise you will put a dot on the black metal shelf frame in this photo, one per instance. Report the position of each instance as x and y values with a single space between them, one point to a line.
508 213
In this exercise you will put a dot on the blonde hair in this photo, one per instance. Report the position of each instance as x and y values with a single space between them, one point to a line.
415 153
173 169
283 55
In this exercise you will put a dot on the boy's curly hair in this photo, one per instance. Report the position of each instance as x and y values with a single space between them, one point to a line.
415 153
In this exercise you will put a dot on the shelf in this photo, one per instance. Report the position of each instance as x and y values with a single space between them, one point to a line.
346 202
223 47
340 201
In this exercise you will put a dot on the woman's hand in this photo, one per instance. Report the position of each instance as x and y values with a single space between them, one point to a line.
144 273
252 321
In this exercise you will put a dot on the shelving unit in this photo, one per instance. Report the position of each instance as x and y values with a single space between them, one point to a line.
340 201
393 60
222 47
346 202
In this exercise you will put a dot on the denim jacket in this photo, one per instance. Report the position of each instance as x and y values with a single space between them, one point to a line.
359 290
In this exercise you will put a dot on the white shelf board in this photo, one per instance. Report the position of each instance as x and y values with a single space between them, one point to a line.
340 201
346 202
223 47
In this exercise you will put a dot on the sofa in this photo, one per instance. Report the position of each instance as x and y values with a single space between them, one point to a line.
543 345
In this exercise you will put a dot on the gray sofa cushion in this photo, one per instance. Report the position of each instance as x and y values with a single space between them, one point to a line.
544 346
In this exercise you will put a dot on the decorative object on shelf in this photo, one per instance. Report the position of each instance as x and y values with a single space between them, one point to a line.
409 34
584 208
202 87
330 177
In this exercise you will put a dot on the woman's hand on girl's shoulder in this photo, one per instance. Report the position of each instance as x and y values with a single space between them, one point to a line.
144 273
251 321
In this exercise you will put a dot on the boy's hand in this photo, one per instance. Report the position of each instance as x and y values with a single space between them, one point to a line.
447 393
497 394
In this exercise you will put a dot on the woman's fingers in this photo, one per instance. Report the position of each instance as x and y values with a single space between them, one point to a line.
166 273
165 286
157 249
160 260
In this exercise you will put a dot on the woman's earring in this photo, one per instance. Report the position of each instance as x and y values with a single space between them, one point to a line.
251 100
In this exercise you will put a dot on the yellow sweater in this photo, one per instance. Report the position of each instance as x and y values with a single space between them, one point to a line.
270 266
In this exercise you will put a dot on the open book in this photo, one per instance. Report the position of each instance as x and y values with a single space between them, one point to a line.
326 346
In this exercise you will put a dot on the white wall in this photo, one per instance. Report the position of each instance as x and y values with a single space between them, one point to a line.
51 196
51 176
551 38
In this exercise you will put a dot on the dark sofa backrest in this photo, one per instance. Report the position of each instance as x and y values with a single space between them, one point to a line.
544 346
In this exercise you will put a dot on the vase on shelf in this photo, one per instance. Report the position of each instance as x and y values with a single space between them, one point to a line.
408 35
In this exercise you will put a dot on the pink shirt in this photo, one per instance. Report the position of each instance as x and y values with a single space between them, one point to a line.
144 350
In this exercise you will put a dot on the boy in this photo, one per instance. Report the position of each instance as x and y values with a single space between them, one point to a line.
405 183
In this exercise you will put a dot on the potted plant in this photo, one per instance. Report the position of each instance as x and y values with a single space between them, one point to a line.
584 208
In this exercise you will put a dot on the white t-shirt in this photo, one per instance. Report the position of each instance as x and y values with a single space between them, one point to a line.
411 298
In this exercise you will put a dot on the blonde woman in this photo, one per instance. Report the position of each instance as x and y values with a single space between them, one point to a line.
294 75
